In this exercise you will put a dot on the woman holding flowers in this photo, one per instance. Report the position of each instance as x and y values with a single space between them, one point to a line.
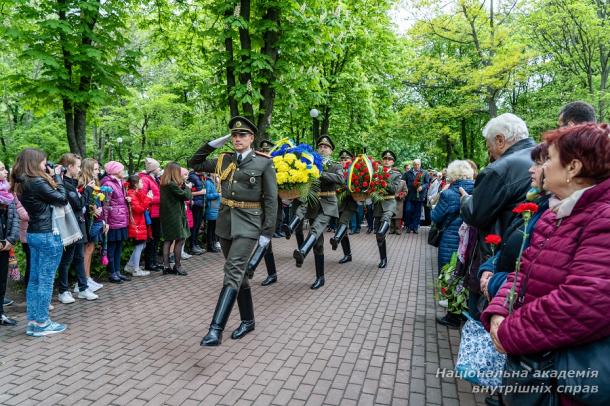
94 220
562 279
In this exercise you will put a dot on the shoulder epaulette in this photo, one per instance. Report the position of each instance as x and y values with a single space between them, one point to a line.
262 154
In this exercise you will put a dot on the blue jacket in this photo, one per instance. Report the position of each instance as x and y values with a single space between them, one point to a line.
212 200
197 186
449 206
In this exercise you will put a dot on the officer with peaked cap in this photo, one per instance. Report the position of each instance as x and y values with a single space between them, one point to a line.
247 215
319 215
384 210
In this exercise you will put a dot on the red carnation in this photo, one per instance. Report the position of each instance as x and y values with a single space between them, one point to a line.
493 239
387 175
384 183
523 207
357 190
365 184
444 291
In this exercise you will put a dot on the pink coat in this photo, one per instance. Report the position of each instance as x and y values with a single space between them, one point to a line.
24 218
116 212
149 183
567 300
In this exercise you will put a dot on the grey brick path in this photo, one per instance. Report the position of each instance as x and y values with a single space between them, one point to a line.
367 337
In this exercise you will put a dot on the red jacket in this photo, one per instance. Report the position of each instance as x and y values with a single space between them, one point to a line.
567 300
149 183
137 222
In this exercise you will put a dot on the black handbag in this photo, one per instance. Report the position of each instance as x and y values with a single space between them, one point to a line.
528 381
436 231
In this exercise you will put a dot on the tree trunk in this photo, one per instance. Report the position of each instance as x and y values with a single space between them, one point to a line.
80 130
230 67
70 132
245 77
464 137
325 120
270 38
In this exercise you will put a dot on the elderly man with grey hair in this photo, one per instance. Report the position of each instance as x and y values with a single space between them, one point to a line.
417 181
498 188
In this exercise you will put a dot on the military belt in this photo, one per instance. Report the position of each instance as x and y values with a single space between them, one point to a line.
392 197
240 205
325 194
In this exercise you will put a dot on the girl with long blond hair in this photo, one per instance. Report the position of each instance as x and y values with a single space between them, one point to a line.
94 222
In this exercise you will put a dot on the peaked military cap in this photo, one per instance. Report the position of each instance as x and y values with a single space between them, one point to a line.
345 154
325 140
388 154
265 145
242 124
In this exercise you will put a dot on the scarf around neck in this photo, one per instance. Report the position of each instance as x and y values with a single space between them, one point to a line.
6 197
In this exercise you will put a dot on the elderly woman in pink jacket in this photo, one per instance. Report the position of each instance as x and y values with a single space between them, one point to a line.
563 298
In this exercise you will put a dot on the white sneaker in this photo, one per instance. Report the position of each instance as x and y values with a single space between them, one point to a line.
76 289
443 303
93 285
51 307
129 269
217 245
87 294
66 298
140 272
185 255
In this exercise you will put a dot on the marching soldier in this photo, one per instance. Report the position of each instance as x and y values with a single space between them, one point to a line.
247 215
347 208
260 252
384 210
319 215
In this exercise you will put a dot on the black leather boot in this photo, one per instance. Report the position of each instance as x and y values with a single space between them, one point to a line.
381 232
246 313
319 282
338 237
383 255
300 253
226 300
347 250
271 271
255 259
288 229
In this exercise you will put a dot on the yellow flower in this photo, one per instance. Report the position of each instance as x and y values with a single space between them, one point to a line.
277 160
300 165
282 178
289 158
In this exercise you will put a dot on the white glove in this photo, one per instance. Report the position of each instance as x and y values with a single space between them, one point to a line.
263 241
219 142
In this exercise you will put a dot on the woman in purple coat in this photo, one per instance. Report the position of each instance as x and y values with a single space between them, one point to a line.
116 215
565 272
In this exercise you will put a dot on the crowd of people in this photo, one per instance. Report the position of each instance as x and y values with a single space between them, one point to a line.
546 205
531 233
97 210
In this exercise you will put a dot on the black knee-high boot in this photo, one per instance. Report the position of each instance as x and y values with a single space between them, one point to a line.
347 250
319 282
271 271
381 232
256 258
338 237
383 255
246 313
300 253
288 229
226 300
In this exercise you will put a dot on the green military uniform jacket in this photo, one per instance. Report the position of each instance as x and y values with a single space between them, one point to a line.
389 205
330 178
253 180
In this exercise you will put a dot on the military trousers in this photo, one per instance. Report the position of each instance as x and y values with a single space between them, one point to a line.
345 217
237 253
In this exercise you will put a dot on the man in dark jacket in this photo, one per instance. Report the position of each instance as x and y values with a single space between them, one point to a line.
498 189
198 191
417 181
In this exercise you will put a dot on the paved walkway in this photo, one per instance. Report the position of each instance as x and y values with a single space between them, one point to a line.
367 337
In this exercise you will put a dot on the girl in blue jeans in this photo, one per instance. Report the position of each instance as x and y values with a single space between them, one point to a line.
38 192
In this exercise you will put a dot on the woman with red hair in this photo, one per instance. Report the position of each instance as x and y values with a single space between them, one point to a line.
562 289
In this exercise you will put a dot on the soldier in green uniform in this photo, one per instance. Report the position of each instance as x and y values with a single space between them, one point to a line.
384 210
319 215
347 208
260 252
247 215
